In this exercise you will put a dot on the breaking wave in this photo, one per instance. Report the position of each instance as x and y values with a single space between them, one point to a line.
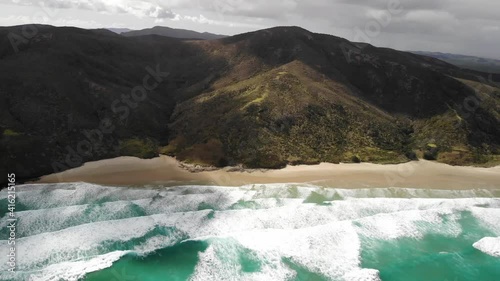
90 232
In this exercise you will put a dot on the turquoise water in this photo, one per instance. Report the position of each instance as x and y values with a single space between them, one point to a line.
435 256
258 232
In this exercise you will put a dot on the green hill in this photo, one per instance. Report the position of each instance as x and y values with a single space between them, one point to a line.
262 99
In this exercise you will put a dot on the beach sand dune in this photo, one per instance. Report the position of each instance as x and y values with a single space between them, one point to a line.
167 170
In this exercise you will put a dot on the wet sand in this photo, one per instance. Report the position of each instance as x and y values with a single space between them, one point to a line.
167 170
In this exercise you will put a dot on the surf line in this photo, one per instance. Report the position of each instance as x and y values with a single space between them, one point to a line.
12 220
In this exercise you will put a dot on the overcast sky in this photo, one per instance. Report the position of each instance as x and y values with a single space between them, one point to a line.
470 27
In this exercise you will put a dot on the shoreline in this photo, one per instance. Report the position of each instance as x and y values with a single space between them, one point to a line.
131 171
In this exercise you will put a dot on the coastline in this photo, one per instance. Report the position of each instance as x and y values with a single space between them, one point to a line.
131 171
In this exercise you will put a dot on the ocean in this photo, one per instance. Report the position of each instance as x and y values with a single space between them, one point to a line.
89 232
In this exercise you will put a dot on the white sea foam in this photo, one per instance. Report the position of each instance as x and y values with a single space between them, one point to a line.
74 271
277 224
384 219
36 196
364 274
490 217
88 240
331 250
211 267
183 200
410 224
48 220
489 245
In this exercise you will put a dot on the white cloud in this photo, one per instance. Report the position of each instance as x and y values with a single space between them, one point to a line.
139 8
425 16
203 20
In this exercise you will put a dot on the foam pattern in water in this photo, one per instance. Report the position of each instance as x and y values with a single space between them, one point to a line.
89 232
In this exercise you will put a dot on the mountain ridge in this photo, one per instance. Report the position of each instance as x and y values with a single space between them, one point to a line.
119 30
174 33
261 99
465 61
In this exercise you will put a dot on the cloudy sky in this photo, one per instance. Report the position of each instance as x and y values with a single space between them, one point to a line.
470 27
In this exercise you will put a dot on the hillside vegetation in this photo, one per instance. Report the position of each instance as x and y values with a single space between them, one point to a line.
263 100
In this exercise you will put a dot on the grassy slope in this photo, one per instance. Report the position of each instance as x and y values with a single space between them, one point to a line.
276 105
469 134
262 99
290 114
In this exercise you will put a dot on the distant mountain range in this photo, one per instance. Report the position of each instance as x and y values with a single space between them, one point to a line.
469 62
262 99
119 30
173 32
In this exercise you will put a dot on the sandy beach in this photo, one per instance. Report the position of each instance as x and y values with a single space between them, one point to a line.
167 170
